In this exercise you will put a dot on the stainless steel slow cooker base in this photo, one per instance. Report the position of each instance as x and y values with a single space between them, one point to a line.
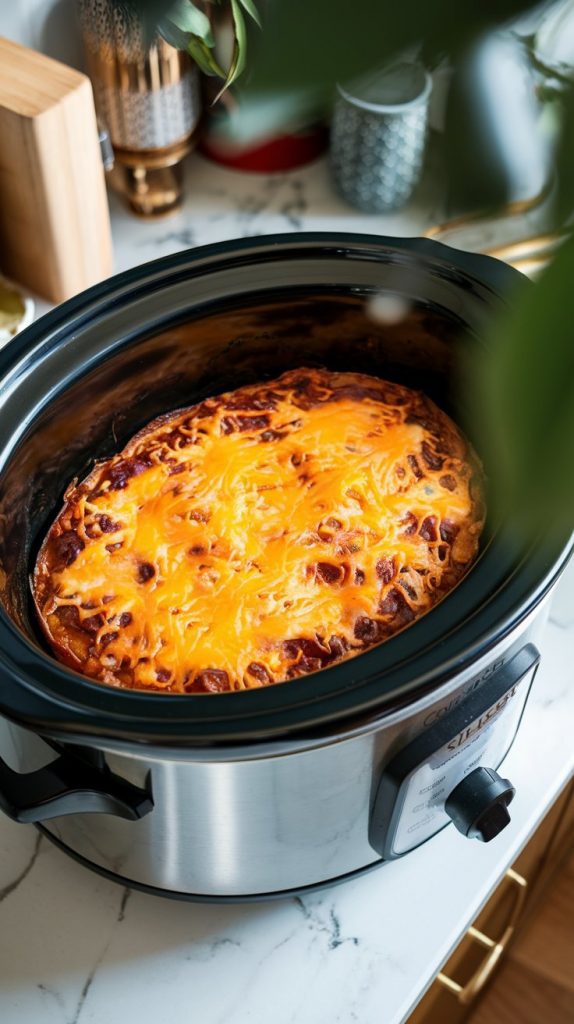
190 897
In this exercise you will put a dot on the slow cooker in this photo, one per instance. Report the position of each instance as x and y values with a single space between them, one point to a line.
264 792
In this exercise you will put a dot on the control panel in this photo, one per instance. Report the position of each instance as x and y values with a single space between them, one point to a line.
448 772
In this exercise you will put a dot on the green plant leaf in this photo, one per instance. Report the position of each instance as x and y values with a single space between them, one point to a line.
525 407
172 34
188 28
189 19
249 6
238 59
229 76
240 54
203 56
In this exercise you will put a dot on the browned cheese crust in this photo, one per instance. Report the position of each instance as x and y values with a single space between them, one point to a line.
260 535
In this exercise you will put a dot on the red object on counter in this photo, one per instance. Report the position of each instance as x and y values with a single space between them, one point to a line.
281 153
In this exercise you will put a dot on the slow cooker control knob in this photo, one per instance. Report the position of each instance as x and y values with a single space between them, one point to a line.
478 806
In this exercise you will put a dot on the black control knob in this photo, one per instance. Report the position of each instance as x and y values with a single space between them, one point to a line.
478 806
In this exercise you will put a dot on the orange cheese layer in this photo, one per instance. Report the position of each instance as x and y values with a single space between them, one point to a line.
247 540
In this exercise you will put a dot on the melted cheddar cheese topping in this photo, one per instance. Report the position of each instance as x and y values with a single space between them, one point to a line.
260 535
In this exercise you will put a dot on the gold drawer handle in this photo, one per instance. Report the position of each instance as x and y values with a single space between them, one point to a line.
466 993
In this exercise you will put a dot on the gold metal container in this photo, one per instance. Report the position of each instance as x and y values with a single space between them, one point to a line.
147 97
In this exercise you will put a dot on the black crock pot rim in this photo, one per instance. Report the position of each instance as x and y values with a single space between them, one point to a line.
91 709
492 275
376 695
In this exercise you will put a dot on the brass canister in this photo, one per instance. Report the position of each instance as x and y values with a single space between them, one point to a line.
147 97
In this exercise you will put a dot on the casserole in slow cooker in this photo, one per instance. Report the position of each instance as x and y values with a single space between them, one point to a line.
260 535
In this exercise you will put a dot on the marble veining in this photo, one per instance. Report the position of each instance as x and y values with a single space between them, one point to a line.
6 890
321 926
78 949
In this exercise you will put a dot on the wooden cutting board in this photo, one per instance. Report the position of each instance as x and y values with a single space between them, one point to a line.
54 221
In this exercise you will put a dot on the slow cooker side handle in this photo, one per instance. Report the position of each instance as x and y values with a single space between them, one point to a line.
69 786
499 276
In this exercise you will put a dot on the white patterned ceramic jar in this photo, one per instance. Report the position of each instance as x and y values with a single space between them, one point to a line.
378 136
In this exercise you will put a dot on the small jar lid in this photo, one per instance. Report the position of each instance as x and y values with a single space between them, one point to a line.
389 90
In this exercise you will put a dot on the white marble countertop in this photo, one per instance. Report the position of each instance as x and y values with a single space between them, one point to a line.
77 949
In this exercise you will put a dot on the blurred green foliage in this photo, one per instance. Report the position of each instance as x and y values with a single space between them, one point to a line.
311 44
564 161
524 401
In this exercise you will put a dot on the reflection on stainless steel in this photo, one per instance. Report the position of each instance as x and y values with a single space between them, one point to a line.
170 811
223 797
